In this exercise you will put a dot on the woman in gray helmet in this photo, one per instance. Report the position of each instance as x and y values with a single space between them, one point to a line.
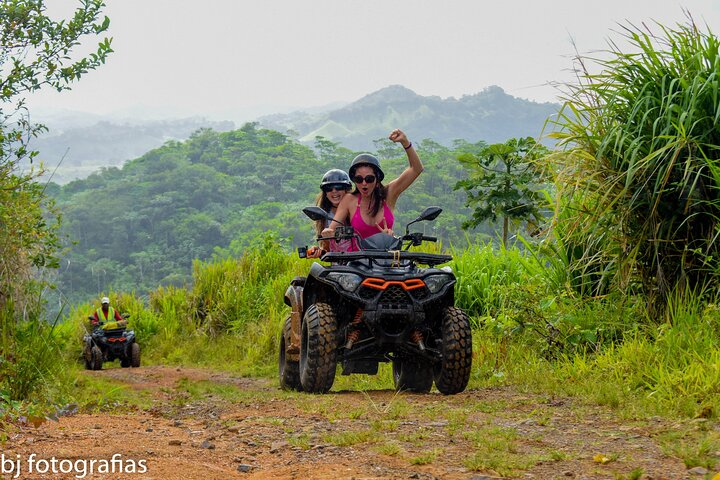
335 184
370 207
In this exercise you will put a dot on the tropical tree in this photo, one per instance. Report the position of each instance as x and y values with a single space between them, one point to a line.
640 177
35 52
332 153
504 182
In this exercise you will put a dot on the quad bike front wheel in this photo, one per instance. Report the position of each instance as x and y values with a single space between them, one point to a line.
412 375
318 349
96 358
126 359
87 357
289 370
135 355
452 373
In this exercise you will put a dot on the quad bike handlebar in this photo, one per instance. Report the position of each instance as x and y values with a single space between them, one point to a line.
111 324
430 259
345 232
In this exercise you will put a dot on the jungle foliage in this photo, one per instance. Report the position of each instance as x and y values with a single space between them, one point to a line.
217 194
36 52
505 181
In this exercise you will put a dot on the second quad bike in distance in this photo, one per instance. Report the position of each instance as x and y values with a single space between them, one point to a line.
109 341
376 305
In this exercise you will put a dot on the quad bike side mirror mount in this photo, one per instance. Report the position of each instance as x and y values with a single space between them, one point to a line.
316 213
430 213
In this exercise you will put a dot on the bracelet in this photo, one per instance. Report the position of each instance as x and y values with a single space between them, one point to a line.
409 146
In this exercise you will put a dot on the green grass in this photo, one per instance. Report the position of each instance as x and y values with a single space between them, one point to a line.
390 449
529 333
349 438
300 441
426 458
496 450
697 445
93 393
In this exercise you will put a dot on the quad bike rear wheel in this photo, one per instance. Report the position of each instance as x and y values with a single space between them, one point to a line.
96 358
289 370
318 349
412 375
452 373
135 355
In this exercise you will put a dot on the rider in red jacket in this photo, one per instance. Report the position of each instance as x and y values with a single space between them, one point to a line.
105 313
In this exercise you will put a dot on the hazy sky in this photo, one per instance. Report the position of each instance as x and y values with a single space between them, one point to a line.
233 57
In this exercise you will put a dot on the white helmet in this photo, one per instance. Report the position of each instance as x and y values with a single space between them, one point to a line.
105 300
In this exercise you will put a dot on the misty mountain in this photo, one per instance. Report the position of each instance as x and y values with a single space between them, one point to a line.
77 145
491 115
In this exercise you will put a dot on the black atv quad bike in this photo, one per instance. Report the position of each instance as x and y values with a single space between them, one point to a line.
376 305
108 341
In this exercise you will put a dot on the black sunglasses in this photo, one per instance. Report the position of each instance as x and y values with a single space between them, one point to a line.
368 179
335 186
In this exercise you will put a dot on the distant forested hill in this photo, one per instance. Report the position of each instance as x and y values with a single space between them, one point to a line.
142 225
491 115
76 146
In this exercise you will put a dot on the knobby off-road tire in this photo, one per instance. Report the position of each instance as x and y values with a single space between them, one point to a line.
289 370
135 355
87 352
412 375
453 371
125 362
318 349
96 358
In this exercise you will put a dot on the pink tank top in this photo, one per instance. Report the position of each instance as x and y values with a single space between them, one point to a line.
365 230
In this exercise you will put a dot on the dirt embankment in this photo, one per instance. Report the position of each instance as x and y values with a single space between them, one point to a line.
210 425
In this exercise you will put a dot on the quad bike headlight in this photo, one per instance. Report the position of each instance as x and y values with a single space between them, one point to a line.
348 281
436 282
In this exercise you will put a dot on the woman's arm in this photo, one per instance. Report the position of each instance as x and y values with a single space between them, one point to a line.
341 214
410 174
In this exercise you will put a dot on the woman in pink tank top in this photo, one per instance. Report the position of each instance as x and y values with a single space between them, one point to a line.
369 209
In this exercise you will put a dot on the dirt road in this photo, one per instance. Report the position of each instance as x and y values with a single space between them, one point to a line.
198 424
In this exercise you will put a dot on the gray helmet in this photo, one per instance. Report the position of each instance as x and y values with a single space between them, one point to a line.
367 159
336 177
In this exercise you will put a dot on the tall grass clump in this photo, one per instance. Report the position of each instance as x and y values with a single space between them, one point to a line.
231 316
30 353
486 278
640 173
228 293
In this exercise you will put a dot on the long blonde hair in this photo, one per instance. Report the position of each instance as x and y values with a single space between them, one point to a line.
322 201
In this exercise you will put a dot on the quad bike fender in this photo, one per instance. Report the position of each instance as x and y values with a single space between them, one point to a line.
294 299
317 288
